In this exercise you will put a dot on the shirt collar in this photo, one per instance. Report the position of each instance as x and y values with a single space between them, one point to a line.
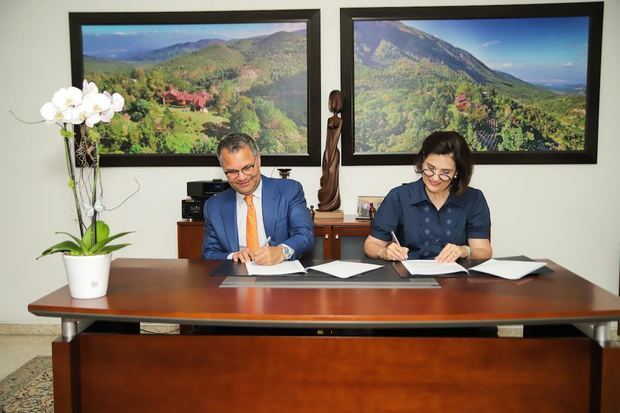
418 195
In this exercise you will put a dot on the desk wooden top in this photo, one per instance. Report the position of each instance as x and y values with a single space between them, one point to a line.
182 291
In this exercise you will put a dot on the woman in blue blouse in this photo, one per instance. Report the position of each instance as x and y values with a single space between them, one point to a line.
438 216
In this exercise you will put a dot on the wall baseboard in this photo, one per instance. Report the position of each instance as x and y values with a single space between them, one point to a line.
54 329
30 329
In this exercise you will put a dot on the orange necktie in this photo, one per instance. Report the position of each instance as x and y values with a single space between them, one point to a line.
251 227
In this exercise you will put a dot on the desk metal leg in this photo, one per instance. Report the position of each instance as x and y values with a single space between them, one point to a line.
600 332
607 370
70 327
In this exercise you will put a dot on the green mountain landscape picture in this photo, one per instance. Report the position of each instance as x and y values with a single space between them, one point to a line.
187 86
509 85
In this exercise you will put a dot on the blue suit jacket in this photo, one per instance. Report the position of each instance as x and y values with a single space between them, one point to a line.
285 216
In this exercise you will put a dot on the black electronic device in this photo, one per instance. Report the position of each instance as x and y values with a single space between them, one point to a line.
192 209
198 192
206 189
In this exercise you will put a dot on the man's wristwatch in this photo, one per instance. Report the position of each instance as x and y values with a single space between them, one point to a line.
286 251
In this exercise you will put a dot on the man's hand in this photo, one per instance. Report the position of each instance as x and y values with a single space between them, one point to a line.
243 256
268 255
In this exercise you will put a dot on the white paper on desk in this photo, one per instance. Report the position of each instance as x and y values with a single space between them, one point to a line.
511 270
344 269
285 267
432 267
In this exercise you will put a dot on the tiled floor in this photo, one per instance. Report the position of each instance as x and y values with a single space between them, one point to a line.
17 349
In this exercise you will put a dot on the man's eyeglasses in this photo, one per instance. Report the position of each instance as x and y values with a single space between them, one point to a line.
442 177
234 173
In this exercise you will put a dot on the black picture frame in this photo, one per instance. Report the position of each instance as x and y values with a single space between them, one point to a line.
592 11
313 61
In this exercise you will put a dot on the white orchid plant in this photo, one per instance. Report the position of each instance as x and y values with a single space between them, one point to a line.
70 107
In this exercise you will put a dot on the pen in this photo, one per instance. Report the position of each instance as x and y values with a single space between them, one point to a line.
266 242
394 239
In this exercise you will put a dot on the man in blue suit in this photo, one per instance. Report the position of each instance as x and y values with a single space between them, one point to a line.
276 209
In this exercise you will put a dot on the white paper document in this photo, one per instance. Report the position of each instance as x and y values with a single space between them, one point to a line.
432 267
511 270
344 269
285 267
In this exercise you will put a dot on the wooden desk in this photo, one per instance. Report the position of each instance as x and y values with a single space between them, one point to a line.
372 372
335 238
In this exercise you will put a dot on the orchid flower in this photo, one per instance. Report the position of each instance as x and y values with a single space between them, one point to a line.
68 107
65 98
89 87
117 102
53 114
92 119
78 115
96 103
94 106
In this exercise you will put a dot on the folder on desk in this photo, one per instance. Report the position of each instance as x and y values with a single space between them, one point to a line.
511 268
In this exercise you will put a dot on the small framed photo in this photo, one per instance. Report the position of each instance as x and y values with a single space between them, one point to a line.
364 203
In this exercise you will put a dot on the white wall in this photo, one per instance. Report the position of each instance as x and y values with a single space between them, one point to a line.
568 213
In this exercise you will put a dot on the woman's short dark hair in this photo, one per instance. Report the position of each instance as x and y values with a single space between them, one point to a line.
234 142
444 143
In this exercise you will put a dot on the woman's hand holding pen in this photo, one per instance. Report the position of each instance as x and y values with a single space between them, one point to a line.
394 252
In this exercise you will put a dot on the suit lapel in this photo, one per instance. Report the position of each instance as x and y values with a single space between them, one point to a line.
269 206
229 219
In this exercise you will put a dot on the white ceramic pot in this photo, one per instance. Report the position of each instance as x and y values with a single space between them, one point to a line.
87 275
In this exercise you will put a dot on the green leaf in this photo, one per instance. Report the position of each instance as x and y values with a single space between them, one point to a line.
65 246
86 245
77 240
95 249
103 231
109 248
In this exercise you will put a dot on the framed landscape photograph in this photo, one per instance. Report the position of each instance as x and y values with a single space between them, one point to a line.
519 82
190 78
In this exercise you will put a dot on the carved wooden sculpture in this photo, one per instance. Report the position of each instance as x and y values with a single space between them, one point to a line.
329 194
